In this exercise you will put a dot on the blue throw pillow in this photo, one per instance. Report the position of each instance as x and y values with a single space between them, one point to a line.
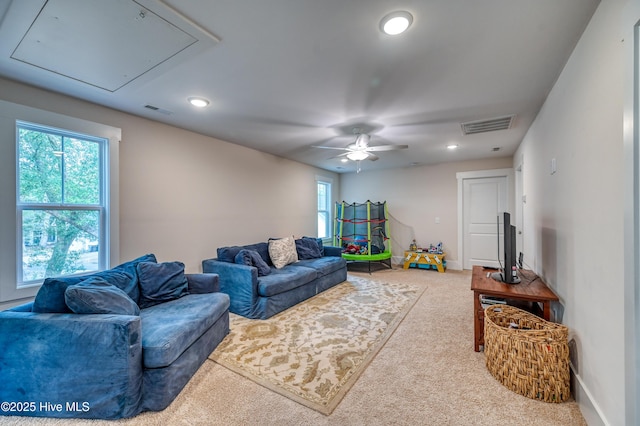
132 289
96 296
252 258
51 296
308 248
228 254
320 245
161 282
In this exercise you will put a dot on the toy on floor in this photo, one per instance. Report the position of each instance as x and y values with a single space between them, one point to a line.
437 249
355 249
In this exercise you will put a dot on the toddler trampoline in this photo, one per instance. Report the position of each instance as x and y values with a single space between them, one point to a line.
362 231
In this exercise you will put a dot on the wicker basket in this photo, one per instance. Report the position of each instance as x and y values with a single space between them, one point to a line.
532 359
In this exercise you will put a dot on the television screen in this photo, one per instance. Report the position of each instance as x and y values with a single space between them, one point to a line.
508 271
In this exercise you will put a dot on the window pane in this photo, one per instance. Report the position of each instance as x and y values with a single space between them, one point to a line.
81 171
322 196
59 242
324 217
40 166
322 225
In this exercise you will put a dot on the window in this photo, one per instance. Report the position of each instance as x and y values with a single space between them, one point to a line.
61 203
324 209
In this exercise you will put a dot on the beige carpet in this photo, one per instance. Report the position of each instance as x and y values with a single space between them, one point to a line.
314 352
426 374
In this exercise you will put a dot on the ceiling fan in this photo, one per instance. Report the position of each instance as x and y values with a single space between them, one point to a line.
360 149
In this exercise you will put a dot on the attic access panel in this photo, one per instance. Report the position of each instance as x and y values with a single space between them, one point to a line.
106 44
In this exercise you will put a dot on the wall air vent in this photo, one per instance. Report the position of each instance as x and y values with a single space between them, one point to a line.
490 125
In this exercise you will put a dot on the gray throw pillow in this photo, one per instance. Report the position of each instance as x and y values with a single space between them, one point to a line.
253 258
308 248
96 296
161 282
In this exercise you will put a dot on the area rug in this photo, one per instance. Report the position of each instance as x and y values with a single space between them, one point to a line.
315 351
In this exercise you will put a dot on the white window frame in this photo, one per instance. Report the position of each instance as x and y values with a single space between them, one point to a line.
328 182
10 113
102 207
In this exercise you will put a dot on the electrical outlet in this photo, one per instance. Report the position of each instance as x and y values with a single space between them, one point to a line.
437 219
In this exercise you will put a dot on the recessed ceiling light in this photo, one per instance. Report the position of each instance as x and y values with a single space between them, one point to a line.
452 146
198 102
396 22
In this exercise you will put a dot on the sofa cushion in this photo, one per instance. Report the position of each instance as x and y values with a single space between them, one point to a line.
161 282
228 254
324 265
252 258
132 289
96 296
170 328
50 298
284 279
282 251
307 248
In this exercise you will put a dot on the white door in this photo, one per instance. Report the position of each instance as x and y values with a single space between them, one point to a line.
482 196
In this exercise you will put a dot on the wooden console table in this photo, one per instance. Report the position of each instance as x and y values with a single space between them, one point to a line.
535 291
424 258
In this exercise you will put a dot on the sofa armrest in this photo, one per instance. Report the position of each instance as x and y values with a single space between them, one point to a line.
89 364
332 251
203 283
240 282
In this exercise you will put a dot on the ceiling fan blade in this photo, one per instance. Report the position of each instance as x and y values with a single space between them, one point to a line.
387 148
329 147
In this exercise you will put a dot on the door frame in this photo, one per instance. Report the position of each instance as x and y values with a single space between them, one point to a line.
479 174
631 131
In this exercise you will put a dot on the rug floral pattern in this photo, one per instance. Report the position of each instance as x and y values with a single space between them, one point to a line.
315 351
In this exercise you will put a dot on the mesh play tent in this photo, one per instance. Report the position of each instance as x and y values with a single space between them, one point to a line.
362 231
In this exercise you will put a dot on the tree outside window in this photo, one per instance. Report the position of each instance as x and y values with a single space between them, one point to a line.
61 202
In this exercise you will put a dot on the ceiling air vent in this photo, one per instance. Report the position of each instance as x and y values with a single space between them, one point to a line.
155 108
490 125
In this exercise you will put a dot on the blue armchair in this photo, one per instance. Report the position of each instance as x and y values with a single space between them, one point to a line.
108 365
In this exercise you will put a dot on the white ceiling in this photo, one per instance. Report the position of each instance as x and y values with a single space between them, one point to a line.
284 75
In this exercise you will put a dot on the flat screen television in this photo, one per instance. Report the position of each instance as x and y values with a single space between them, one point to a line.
508 272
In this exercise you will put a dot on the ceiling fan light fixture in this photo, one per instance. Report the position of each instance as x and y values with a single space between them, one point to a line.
396 22
357 155
198 102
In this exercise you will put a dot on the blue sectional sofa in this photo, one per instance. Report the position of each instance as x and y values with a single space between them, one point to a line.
260 287
112 344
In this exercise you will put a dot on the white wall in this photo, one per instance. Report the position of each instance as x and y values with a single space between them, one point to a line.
573 219
183 194
415 197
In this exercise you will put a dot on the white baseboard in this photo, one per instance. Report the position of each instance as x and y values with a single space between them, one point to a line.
590 410
454 264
